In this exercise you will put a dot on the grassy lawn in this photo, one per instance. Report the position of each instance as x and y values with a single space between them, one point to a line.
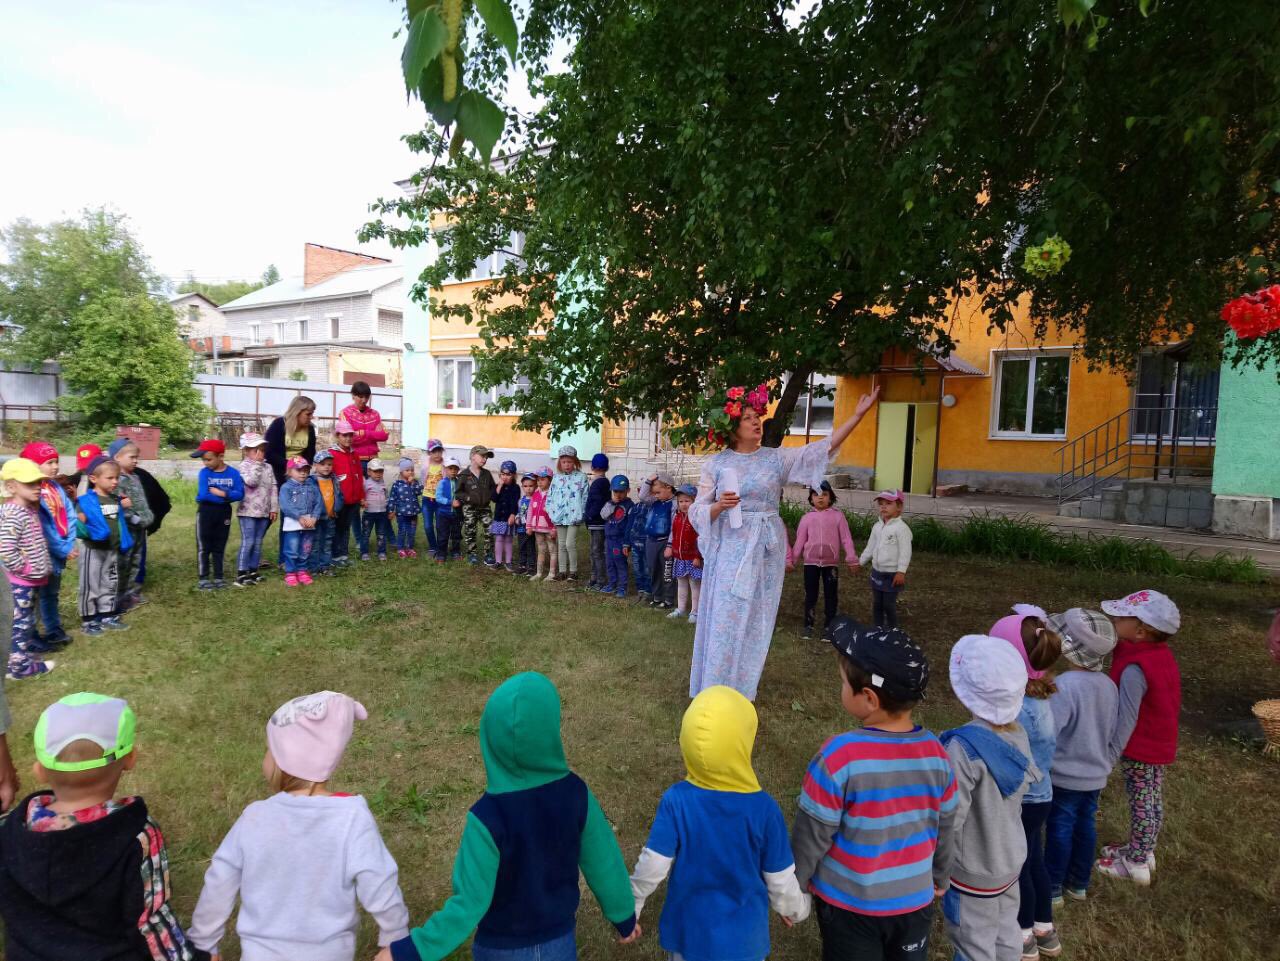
423 647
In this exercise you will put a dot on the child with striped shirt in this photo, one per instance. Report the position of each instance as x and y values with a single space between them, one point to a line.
873 825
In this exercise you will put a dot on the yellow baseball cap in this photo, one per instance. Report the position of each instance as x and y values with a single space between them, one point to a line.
21 470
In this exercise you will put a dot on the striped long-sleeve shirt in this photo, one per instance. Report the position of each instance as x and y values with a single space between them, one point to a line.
874 809
23 550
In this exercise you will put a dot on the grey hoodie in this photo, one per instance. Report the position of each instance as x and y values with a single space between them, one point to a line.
988 844
1084 712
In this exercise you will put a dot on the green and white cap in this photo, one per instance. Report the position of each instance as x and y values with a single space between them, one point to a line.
108 722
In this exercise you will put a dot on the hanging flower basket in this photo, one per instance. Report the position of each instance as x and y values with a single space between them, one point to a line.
1254 315
1046 259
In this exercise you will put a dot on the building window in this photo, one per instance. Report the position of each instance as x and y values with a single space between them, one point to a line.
220 370
282 332
255 333
335 327
490 266
1031 395
1173 396
815 413
455 390
237 368
193 315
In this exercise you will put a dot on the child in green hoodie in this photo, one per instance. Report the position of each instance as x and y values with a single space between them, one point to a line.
515 878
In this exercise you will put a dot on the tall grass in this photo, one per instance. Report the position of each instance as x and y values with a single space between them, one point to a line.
1025 538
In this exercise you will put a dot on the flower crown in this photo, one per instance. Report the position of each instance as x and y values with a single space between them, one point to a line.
726 419
1254 315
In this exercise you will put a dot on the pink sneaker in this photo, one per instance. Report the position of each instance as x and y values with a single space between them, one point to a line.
402 554
291 580
412 553
305 578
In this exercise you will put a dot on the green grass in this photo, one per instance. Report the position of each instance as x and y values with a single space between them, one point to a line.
1024 538
423 647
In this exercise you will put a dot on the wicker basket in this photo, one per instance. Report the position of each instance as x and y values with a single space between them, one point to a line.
1268 715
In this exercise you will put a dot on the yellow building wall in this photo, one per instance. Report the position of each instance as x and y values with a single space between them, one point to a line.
496 430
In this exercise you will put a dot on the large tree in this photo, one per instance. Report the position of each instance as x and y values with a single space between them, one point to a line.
722 193
81 293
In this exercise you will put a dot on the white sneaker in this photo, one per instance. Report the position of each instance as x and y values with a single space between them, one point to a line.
536 577
1117 851
693 618
1125 870
675 615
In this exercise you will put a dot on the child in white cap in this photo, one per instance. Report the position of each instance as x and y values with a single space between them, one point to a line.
1084 716
991 757
888 552
1146 734
258 509
302 858
376 524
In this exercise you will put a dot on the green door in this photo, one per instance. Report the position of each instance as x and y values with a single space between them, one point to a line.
925 441
891 445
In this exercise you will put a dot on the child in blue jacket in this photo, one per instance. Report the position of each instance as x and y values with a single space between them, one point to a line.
217 488
636 524
448 531
616 515
301 507
658 492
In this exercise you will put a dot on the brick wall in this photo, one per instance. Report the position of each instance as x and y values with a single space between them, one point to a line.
320 263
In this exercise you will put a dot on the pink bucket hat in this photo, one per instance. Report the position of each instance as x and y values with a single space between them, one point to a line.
1010 629
343 426
308 735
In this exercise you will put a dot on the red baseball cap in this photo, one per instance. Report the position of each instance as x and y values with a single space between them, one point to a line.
210 446
86 453
39 451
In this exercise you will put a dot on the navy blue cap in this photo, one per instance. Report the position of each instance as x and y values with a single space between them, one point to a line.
508 467
620 483
687 490
599 462
896 663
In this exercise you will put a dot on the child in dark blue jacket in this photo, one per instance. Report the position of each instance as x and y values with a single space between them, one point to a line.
301 507
217 488
635 551
658 492
616 515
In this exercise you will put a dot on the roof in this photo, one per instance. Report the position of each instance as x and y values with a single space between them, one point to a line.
357 280
951 363
194 293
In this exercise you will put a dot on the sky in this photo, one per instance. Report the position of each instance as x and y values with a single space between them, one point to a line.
230 133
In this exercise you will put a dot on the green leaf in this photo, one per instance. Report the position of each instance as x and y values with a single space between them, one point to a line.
1260 220
1074 12
1147 7
481 121
1129 122
1275 185
500 22
427 36
431 92
1091 41
415 7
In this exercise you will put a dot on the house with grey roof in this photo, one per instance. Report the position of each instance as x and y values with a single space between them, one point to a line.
342 321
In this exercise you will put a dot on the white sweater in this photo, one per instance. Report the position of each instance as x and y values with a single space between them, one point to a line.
889 547
299 864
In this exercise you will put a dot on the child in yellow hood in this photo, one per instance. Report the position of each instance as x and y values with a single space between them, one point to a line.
722 840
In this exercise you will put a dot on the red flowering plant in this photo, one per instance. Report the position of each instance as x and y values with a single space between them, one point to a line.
1254 315
722 419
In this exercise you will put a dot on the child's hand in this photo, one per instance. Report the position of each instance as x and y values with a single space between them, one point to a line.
853 564
787 921
74 555
126 502
626 552
511 519
899 579
82 518
271 518
668 554
791 565
383 955
633 936
218 491
456 503
697 562
552 533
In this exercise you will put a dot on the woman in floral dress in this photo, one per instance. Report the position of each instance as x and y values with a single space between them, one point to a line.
743 567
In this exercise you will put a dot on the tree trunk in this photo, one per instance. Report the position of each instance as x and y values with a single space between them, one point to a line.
775 428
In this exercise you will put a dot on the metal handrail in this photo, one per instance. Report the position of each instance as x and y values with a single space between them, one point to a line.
1115 450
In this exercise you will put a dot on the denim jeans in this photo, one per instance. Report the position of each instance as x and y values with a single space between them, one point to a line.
406 532
429 522
564 948
297 545
378 524
1071 838
322 545
252 531
48 605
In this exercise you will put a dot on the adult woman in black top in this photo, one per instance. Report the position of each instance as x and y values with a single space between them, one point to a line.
292 435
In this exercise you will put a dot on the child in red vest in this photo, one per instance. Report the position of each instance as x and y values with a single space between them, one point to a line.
1146 733
686 561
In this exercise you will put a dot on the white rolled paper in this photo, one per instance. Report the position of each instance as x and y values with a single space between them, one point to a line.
729 485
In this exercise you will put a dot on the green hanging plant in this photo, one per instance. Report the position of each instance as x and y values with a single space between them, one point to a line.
1048 258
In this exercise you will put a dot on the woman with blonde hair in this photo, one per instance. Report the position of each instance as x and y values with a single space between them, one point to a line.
293 435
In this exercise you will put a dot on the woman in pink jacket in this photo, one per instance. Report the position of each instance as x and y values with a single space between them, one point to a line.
367 423
819 537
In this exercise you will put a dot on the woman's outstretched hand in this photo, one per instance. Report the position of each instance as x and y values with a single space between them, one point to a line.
867 401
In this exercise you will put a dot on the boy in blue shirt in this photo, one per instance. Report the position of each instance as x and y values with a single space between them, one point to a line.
217 488
722 840
657 492
448 532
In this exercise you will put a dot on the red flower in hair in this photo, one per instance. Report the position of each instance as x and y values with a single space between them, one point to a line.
735 393
733 408
1254 315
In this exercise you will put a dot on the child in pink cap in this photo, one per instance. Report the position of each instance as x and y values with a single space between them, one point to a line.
1039 648
302 858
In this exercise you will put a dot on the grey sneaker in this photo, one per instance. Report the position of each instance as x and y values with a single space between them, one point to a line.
1048 944
113 624
1076 894
206 585
1029 950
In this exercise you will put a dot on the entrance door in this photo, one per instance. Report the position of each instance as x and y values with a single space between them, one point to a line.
905 438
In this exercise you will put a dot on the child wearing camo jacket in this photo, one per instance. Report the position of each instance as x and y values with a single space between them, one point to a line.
300 860
991 758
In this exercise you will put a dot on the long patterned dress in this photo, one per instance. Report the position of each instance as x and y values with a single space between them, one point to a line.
743 569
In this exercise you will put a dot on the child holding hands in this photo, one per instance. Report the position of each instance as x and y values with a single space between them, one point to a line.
819 537
721 839
300 860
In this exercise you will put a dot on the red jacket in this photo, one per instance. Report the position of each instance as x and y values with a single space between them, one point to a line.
684 539
1155 737
350 472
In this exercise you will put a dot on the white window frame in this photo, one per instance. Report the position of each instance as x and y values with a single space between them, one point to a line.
282 331
479 398
335 326
255 333
303 327
800 417
220 369
238 368
997 376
